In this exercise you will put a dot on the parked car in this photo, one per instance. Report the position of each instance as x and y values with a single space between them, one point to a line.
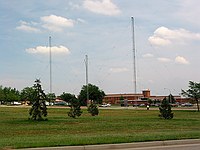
157 104
187 105
136 105
105 105
61 103
16 103
175 105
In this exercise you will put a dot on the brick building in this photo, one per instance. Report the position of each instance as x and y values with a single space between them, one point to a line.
138 98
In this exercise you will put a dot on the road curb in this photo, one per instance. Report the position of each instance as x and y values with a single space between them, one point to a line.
121 146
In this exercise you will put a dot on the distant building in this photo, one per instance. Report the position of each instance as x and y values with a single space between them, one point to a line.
138 98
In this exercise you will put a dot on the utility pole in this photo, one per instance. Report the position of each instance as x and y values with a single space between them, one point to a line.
86 68
134 57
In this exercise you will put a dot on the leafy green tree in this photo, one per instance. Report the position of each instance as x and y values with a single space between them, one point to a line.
149 101
2 96
39 109
193 92
27 94
67 97
10 94
95 94
75 108
93 109
165 110
51 97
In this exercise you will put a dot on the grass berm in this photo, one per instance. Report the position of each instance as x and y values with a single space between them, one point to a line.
111 126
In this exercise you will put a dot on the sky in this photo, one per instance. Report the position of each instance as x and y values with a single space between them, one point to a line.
167 44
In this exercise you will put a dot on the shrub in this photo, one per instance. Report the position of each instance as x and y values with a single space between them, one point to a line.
75 108
93 109
165 110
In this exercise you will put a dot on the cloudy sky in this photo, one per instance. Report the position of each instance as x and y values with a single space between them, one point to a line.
167 39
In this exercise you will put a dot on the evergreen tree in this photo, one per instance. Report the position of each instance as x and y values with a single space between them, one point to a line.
75 108
165 110
121 99
39 109
93 109
171 99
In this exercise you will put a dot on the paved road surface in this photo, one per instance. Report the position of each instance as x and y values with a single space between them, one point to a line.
170 147
190 144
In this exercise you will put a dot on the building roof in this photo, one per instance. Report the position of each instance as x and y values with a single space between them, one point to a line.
125 94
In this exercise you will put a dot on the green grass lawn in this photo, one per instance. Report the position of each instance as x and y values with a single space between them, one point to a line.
111 126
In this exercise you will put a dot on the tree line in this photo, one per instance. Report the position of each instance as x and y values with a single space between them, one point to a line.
9 95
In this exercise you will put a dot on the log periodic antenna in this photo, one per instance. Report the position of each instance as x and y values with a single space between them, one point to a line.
86 75
50 62
134 57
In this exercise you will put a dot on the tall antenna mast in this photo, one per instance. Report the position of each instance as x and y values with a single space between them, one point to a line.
134 54
50 62
86 68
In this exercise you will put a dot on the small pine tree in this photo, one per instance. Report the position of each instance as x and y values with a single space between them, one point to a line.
39 109
165 110
93 109
121 100
171 99
75 108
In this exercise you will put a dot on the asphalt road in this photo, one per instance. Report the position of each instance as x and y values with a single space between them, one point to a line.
169 147
189 144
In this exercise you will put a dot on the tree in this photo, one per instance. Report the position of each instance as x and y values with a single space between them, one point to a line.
10 94
95 94
121 99
39 109
93 109
165 110
67 97
150 101
27 94
2 96
75 108
171 99
51 97
193 92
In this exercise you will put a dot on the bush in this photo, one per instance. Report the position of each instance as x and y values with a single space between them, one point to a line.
93 109
75 108
165 110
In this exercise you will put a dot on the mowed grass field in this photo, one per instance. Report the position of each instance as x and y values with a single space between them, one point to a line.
111 126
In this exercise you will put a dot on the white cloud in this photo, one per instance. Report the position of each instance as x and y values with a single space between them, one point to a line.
45 50
155 40
52 23
56 23
148 55
164 36
105 7
163 59
118 70
181 60
28 27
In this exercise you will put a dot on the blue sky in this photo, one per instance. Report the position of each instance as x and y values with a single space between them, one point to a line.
167 37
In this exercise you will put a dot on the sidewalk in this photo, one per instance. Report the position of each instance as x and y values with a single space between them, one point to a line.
121 146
